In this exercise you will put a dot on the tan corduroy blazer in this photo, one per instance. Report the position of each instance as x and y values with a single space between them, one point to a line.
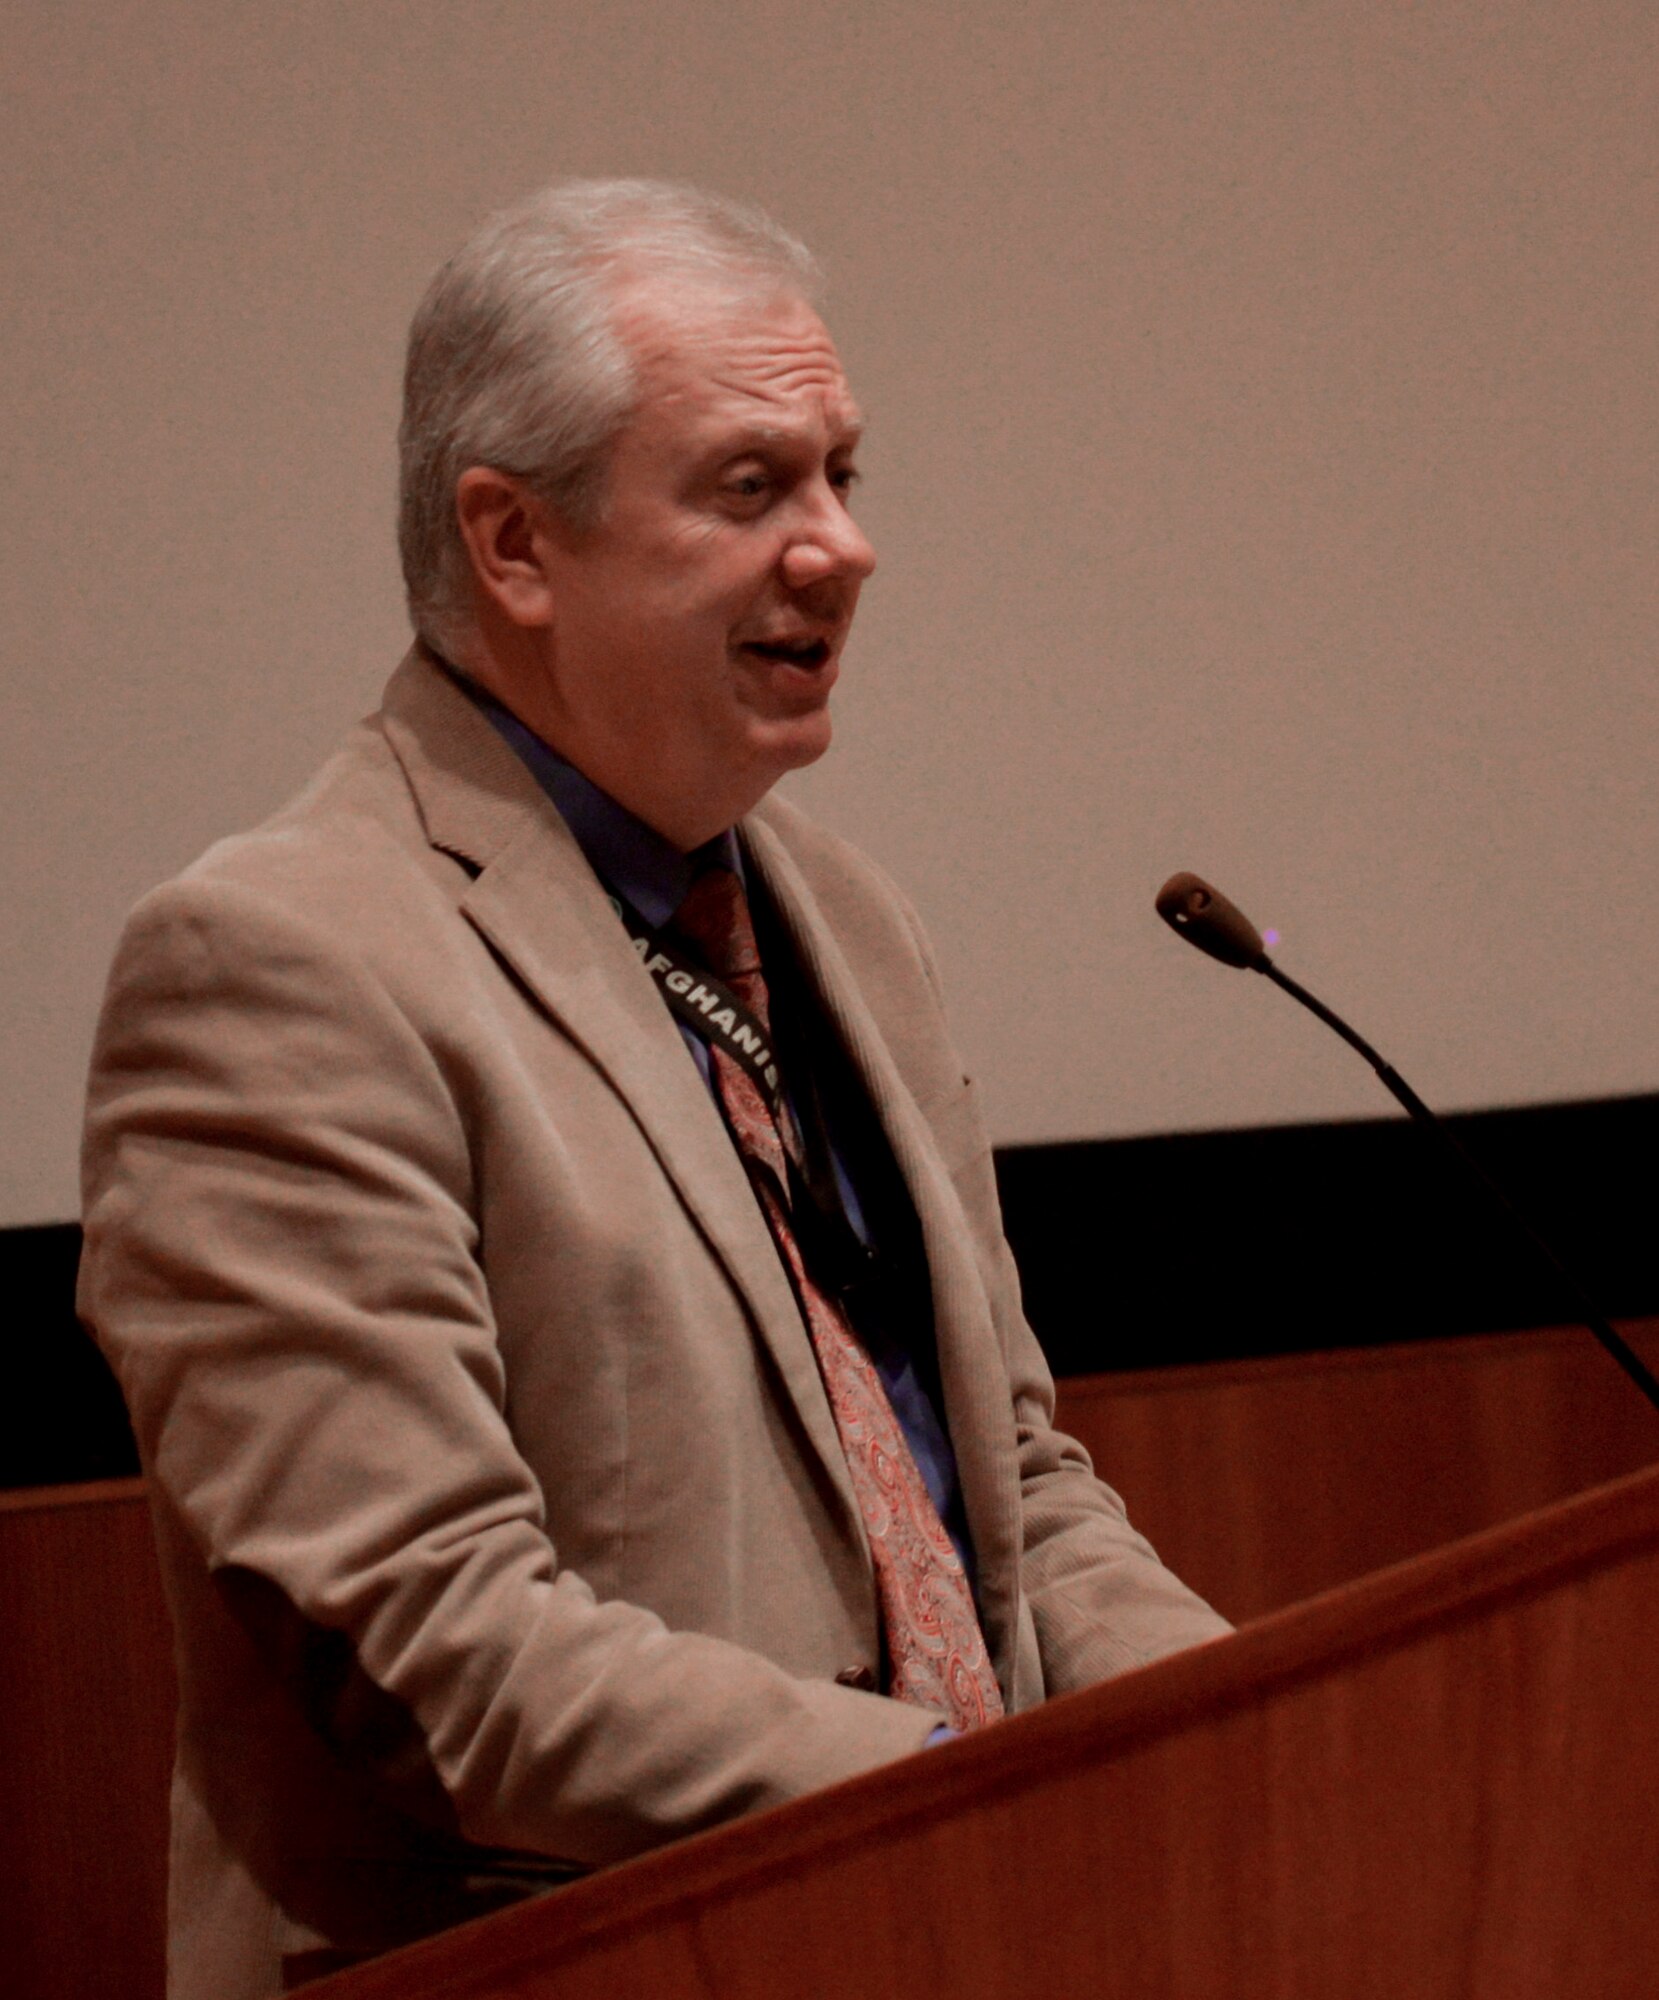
500 1507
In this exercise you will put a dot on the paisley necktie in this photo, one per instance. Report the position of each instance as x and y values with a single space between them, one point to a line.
936 1650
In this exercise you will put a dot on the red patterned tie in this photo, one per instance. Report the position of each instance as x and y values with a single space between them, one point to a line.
935 1647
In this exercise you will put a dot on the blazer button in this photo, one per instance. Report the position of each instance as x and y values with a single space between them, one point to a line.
857 1677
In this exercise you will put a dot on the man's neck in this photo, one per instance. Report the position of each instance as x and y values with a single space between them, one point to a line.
627 853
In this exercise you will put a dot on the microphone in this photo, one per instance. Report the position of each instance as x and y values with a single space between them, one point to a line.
1205 918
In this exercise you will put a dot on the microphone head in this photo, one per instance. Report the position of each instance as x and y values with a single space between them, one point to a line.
1204 917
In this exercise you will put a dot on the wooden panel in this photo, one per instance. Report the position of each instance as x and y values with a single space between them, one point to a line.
86 1732
1437 1782
1264 1482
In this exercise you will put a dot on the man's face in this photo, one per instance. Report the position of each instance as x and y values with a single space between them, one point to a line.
696 632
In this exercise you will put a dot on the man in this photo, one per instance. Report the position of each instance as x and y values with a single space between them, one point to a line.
572 1422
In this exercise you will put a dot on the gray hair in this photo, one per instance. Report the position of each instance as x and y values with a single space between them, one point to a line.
514 362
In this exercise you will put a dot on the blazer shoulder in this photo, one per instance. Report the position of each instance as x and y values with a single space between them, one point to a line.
347 855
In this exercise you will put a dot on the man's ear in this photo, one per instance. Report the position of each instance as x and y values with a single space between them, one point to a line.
509 537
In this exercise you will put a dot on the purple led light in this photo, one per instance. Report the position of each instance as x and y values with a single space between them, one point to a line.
1270 937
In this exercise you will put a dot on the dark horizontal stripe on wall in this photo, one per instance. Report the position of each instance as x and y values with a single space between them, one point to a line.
1143 1253
1134 1253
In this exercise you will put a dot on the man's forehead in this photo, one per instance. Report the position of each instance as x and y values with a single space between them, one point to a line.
762 360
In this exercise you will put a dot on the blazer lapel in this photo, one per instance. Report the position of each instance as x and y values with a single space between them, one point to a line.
540 906
977 1407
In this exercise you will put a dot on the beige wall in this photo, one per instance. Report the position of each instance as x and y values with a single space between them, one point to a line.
1263 471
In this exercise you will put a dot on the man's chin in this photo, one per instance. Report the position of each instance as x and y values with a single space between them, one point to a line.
790 743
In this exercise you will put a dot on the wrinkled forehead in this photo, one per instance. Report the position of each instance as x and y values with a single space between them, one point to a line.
723 349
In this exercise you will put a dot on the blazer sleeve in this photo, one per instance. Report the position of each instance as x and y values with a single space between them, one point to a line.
282 1262
1100 1599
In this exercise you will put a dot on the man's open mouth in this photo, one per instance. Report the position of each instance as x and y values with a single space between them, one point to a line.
790 653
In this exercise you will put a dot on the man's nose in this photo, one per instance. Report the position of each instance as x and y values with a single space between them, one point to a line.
830 544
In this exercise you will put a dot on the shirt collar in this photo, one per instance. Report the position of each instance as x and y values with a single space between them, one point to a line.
627 855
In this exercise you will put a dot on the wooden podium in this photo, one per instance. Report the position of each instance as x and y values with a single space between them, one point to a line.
1440 1780
1425 1768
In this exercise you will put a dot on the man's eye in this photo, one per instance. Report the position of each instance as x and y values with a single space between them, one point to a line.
845 477
747 485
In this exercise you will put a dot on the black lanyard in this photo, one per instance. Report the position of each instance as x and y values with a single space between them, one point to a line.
717 1017
707 1006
